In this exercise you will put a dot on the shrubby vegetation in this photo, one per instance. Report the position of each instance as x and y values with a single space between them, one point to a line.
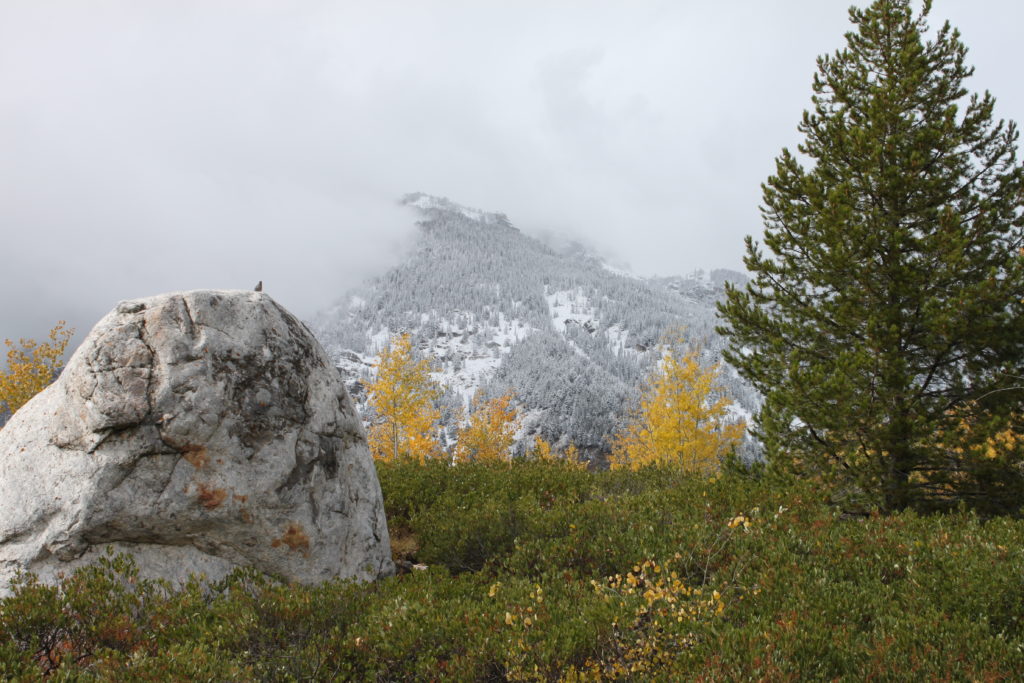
542 571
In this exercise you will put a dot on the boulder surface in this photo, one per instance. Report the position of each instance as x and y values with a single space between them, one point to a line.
198 431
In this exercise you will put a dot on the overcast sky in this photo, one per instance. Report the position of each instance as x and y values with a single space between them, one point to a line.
157 145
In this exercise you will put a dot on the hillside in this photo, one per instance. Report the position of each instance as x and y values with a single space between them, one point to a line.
498 310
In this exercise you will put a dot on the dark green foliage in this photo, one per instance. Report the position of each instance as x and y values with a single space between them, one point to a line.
805 594
885 323
104 622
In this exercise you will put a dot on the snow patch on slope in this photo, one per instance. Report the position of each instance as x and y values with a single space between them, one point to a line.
571 307
462 361
617 337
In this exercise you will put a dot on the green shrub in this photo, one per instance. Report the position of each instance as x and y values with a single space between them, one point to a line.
537 571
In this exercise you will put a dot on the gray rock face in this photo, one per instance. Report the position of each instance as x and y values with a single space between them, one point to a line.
199 431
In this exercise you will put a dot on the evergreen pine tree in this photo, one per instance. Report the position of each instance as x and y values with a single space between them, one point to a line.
885 326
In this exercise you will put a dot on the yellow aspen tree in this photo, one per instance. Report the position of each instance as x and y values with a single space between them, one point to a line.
403 397
541 450
682 420
31 366
490 433
573 457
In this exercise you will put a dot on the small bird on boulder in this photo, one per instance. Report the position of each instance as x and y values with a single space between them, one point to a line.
259 286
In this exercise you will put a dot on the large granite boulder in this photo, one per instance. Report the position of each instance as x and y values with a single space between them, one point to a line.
198 431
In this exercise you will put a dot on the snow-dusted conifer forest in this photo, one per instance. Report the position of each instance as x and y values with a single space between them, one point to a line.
497 310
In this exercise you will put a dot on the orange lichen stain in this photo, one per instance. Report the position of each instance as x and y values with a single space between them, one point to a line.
240 498
294 537
196 455
246 516
210 497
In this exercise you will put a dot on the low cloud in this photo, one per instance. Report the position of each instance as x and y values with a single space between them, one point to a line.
164 145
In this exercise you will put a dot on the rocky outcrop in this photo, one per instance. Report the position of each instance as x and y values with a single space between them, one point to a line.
199 431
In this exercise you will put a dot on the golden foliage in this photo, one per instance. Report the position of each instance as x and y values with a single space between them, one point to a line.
31 366
541 450
572 455
664 609
970 449
1005 441
682 419
403 396
490 433
1003 444
662 616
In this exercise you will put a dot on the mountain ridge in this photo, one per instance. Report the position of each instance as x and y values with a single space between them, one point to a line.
498 310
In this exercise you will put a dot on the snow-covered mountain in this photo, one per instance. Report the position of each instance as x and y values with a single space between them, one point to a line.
498 310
